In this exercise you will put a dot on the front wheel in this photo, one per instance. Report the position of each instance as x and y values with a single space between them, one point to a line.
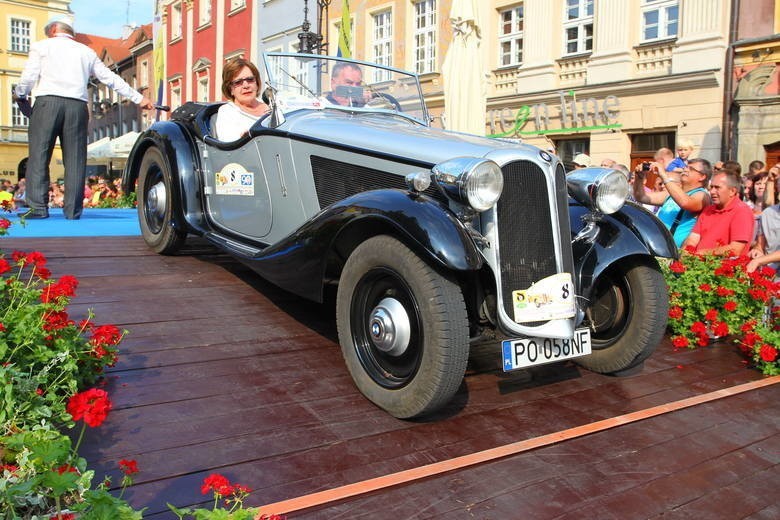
403 328
628 311
155 204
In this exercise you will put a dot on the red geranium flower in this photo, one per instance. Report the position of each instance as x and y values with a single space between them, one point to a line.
720 328
751 338
699 328
758 294
4 266
730 306
677 267
702 340
705 287
65 286
219 484
105 335
675 313
128 466
91 405
722 291
680 341
66 468
768 353
5 223
2 327
711 315
748 326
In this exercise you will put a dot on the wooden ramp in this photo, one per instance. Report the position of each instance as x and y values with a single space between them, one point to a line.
223 372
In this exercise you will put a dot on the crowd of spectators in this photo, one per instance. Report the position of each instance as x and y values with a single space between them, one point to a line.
709 208
96 190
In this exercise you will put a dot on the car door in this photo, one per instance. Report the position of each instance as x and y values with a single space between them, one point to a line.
236 190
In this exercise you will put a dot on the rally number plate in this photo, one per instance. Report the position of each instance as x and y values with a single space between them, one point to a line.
526 352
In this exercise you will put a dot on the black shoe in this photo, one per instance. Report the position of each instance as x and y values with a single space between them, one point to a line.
33 214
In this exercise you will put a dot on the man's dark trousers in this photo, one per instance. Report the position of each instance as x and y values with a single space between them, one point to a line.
66 118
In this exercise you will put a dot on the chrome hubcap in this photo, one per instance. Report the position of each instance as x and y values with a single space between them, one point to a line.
389 327
156 199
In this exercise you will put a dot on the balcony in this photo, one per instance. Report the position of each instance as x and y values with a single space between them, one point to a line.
505 81
573 71
13 134
654 59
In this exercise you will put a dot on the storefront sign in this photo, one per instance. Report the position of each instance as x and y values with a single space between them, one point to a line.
575 116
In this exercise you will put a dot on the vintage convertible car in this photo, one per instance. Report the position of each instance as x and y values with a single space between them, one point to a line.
436 240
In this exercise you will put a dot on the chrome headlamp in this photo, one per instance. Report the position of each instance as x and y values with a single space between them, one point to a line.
470 181
599 189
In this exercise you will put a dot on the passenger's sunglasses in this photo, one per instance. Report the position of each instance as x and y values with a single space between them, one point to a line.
240 81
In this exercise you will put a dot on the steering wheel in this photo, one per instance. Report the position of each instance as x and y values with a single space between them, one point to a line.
378 99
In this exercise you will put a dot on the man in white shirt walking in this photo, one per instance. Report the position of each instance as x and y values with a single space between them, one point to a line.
59 68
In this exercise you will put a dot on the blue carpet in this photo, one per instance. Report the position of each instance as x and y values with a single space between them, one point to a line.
93 223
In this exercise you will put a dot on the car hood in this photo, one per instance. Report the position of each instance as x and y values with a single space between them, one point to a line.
395 135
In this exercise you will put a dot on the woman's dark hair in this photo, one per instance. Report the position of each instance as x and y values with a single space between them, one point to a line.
232 68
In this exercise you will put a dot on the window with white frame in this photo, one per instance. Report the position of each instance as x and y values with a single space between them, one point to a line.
660 19
510 39
237 4
175 96
176 20
383 43
203 88
578 26
20 35
144 74
204 14
425 36
17 118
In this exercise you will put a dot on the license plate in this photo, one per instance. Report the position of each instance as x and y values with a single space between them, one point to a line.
526 352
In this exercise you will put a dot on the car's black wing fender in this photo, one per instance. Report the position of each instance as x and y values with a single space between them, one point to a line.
314 254
181 152
630 232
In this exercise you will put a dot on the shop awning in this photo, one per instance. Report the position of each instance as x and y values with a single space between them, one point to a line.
106 150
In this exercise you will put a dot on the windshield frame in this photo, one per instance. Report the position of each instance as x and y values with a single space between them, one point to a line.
410 79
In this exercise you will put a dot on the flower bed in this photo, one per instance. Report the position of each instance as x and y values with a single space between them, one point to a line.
714 297
51 377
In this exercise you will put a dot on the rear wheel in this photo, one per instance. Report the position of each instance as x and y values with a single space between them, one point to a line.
627 314
155 204
403 328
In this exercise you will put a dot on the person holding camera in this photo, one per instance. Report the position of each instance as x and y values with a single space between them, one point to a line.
685 197
346 83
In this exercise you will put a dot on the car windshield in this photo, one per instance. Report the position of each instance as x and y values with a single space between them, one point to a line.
314 81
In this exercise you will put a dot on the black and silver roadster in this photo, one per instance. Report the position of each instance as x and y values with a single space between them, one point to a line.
435 239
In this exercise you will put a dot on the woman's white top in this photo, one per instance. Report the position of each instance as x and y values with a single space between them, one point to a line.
232 122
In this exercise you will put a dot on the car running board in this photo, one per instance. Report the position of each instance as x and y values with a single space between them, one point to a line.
233 247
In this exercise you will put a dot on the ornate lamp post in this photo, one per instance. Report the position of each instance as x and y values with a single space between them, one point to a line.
312 42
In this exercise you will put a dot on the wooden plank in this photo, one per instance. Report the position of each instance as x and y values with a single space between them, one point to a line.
222 371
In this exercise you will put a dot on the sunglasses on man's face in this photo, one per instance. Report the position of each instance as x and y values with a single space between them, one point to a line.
250 80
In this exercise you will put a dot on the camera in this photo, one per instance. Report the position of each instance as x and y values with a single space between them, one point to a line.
645 166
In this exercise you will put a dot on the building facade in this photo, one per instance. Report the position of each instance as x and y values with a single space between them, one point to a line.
199 36
21 23
130 57
611 78
753 103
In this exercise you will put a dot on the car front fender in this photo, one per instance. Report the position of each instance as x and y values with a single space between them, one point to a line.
316 252
630 232
181 152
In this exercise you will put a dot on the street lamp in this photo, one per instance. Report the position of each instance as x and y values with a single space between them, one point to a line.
312 42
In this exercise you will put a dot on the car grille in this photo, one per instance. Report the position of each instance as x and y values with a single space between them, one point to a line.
337 180
526 240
